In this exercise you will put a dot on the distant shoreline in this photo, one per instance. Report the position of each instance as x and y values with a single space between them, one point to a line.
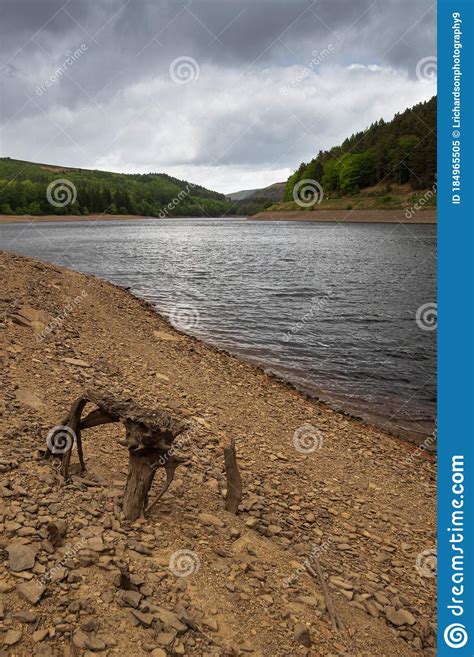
25 218
331 216
350 216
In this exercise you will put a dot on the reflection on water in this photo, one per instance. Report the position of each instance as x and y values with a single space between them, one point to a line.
329 307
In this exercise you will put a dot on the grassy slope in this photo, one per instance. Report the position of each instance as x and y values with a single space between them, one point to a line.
398 198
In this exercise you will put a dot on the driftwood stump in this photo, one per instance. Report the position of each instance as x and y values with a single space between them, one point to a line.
234 481
149 439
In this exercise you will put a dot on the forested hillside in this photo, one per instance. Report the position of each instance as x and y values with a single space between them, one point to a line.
402 151
24 190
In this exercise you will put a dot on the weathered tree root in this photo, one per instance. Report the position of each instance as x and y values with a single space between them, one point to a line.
149 438
170 468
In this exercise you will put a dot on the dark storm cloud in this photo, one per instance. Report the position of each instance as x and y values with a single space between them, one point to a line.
120 79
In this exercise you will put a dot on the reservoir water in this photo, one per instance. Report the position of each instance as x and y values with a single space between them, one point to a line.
346 312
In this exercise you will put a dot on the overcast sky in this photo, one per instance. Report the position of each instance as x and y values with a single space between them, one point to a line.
232 94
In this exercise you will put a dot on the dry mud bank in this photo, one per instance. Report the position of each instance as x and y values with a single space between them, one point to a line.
361 500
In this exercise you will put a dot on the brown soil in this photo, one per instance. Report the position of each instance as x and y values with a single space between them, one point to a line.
363 500
350 216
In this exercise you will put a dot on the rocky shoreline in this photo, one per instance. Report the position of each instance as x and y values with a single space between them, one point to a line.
350 216
191 579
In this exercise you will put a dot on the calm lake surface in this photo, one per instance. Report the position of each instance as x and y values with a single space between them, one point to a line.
331 308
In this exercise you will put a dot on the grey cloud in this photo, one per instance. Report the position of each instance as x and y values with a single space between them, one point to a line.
254 46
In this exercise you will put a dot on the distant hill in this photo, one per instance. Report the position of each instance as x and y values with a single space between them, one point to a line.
24 190
273 193
399 152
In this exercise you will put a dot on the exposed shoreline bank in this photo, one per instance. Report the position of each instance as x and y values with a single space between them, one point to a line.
366 498
330 216
350 216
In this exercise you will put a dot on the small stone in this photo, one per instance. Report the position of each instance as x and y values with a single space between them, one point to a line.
400 617
166 638
158 652
252 522
58 574
96 644
302 635
31 591
80 639
26 616
170 619
90 625
40 635
131 598
56 532
381 598
209 519
140 548
96 544
341 583
145 619
76 361
20 557
12 637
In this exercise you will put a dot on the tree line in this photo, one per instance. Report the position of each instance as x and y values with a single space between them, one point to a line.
24 190
400 151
